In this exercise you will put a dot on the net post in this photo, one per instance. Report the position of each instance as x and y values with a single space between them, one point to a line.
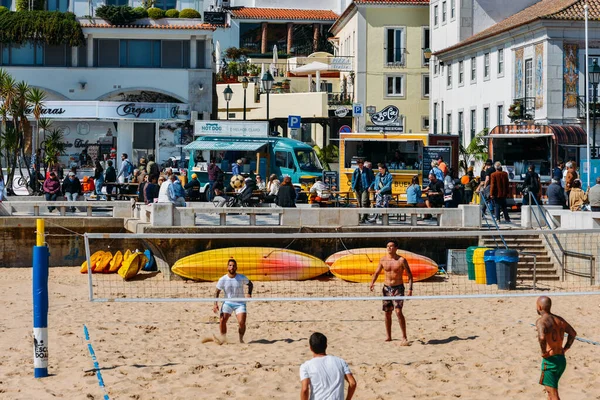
88 257
40 303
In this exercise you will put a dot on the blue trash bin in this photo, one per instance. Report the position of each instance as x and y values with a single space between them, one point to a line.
506 268
489 257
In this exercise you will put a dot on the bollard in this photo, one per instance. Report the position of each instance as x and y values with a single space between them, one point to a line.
40 304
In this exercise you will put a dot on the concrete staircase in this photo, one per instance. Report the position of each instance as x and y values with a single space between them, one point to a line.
545 270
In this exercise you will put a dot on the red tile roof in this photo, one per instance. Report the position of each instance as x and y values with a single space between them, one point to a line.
283 14
545 9
206 27
352 6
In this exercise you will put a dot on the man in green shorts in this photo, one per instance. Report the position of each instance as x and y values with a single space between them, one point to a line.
551 333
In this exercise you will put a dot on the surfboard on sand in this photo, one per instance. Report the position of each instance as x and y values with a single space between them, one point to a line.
359 265
257 263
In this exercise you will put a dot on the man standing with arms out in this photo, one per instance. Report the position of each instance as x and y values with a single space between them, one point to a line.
499 191
551 332
361 180
394 266
232 285
323 376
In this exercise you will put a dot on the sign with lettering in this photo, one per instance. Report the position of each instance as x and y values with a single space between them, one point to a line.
340 63
215 18
431 153
232 128
386 120
113 110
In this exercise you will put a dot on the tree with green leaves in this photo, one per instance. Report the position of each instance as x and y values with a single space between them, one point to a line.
327 154
477 150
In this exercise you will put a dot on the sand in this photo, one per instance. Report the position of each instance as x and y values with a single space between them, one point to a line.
467 349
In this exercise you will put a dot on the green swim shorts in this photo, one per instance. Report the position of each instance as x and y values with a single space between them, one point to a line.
552 369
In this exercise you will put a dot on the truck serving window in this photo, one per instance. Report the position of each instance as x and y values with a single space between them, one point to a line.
520 153
397 155
308 161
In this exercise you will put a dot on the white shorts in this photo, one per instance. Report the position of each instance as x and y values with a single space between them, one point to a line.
229 307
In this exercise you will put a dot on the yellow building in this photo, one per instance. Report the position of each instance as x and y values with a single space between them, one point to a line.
387 39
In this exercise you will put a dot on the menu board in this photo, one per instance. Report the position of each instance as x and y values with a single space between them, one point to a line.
431 153
330 179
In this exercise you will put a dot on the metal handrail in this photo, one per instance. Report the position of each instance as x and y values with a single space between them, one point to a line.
565 253
482 198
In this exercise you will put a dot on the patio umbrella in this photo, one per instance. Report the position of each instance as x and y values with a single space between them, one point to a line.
218 56
275 60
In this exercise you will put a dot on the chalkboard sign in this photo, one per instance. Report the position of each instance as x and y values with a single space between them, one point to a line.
431 153
330 179
215 18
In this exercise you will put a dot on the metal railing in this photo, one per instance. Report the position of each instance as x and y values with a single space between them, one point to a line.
395 56
488 208
526 109
340 98
594 108
562 260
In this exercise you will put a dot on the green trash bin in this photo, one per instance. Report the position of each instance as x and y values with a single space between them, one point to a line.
470 264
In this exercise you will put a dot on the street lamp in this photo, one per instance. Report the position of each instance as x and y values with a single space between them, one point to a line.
227 93
245 86
594 79
267 84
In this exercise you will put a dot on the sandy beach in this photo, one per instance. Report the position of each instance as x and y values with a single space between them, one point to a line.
467 349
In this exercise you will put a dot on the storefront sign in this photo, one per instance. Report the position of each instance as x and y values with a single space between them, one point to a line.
431 153
341 63
215 18
386 120
113 110
231 128
341 112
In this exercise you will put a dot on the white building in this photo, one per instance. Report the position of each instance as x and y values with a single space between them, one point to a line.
133 88
486 60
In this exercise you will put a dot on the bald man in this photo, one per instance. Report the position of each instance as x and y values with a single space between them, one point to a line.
551 333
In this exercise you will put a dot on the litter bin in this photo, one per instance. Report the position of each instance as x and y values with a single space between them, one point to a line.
470 265
479 264
490 267
506 269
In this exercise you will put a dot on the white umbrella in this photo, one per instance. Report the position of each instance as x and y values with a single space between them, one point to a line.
217 56
275 60
311 68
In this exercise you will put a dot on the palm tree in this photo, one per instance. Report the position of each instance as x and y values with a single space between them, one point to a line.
477 150
54 147
44 125
36 98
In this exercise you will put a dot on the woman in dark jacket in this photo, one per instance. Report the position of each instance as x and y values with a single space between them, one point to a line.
110 175
51 188
287 194
98 177
532 184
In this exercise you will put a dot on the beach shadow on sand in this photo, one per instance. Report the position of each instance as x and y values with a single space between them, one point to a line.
144 276
265 341
447 340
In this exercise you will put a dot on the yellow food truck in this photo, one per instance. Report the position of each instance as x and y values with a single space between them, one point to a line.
401 152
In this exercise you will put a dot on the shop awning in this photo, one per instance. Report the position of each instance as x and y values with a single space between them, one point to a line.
218 145
566 135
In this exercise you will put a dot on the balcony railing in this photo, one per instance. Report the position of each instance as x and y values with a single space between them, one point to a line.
522 109
594 107
340 99
395 56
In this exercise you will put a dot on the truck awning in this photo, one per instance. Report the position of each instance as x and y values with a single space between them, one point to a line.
218 145
569 135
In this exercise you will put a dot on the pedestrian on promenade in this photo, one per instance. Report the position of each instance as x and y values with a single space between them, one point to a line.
71 187
287 194
499 191
110 176
51 188
578 199
98 177
362 178
594 196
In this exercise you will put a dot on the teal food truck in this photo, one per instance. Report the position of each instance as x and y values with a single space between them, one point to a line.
228 141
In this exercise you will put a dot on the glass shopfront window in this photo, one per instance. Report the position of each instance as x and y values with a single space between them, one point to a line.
397 155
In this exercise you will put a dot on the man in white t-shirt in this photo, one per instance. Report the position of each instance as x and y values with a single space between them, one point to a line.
323 376
232 285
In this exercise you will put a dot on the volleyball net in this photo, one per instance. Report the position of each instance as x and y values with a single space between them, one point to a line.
340 266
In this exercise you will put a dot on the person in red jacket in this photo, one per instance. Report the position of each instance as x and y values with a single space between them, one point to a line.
499 191
51 188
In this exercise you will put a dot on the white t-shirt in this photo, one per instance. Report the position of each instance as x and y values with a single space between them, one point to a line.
163 192
233 288
326 376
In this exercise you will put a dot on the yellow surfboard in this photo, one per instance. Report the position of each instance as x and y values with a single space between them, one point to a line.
131 266
93 259
359 265
116 262
257 263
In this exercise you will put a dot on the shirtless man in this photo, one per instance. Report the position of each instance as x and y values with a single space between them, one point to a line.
232 285
551 332
394 267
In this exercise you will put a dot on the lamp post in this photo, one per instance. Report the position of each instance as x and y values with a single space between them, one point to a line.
227 93
594 79
245 86
267 84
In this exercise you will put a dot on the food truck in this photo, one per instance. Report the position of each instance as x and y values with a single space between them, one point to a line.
518 146
226 142
401 152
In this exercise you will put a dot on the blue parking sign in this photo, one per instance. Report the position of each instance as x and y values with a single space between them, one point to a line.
294 121
357 110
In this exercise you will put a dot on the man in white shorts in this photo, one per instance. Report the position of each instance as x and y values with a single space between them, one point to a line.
232 285
323 376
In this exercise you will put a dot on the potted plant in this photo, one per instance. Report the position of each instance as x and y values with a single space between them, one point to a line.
515 111
233 69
